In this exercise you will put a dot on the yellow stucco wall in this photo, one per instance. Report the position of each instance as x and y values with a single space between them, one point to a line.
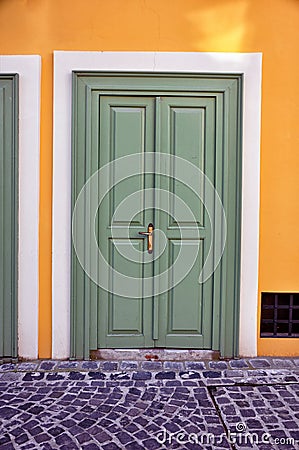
268 26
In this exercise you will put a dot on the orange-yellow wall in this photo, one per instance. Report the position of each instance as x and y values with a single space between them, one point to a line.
268 26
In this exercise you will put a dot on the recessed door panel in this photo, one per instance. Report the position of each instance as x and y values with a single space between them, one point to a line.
127 136
184 311
186 139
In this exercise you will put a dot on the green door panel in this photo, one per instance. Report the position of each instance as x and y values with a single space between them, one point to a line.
194 117
8 214
188 131
126 127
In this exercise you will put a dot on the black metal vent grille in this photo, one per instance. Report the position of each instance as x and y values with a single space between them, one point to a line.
280 315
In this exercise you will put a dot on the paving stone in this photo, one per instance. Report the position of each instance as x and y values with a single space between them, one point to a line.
36 410
36 430
238 364
142 375
4 439
63 439
16 431
151 444
27 366
173 365
259 363
290 379
165 376
219 365
256 373
173 383
86 423
120 376
128 365
234 373
151 365
56 431
191 375
6 412
21 439
29 446
33 376
8 367
295 435
31 424
212 374
193 365
83 438
9 376
91 446
76 376
134 446
43 437
109 366
111 446
90 365
67 365
283 363
124 437
103 437
7 447
54 376
47 365
97 375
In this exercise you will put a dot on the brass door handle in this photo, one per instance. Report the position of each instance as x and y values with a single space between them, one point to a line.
149 234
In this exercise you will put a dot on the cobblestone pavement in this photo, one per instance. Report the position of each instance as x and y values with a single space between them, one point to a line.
110 405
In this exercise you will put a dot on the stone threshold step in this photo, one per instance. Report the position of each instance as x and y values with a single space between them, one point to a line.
154 354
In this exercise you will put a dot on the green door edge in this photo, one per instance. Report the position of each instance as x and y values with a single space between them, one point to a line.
225 318
9 99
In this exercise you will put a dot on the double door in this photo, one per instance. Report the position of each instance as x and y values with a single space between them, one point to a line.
156 263
157 301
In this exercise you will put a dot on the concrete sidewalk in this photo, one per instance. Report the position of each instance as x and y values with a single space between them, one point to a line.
137 405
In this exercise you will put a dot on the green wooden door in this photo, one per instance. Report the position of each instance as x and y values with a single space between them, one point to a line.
8 215
162 130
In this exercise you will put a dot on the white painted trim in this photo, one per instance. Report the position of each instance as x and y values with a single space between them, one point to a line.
247 63
28 67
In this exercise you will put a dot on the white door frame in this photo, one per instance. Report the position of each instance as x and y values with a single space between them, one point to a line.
249 64
28 67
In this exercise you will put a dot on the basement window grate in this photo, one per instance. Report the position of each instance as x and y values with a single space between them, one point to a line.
280 315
